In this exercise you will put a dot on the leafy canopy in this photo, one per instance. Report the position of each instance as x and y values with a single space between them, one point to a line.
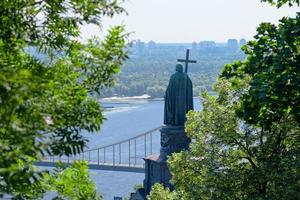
47 81
73 183
159 192
280 3
62 182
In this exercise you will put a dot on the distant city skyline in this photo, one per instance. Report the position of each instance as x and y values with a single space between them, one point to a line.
188 43
186 21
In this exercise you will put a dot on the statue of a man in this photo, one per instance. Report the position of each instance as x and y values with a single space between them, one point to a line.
178 98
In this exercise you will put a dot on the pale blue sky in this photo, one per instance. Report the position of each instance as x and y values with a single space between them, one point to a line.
194 20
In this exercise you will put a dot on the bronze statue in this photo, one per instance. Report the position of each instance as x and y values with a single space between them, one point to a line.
178 101
178 98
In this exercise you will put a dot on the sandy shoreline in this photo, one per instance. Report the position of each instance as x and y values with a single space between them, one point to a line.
124 99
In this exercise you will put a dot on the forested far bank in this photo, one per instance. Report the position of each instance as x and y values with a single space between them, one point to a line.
150 74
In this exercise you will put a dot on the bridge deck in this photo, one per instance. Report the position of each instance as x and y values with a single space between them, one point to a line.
125 156
106 166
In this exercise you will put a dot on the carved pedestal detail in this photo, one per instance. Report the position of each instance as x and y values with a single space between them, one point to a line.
173 140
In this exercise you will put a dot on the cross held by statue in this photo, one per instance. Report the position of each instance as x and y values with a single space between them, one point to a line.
186 60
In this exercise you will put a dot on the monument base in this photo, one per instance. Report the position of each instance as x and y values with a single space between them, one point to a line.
156 171
173 139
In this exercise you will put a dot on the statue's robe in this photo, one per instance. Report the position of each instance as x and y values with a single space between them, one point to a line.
178 99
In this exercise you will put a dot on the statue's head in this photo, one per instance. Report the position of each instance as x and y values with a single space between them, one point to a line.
179 68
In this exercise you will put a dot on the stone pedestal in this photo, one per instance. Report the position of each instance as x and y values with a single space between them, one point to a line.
173 139
156 171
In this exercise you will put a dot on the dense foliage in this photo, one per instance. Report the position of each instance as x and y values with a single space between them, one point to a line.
280 3
45 104
159 192
246 140
72 183
62 181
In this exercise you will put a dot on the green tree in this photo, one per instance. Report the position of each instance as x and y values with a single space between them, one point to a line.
72 183
246 140
46 103
159 192
63 182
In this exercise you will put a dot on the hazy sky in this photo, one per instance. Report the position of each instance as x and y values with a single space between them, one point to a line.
194 20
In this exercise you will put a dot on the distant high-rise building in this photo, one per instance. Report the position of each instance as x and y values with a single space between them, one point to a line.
232 44
194 49
194 46
243 42
151 44
206 44
139 47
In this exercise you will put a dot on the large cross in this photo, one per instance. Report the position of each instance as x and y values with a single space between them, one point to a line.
186 60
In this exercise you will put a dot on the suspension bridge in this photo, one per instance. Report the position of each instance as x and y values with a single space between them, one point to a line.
126 155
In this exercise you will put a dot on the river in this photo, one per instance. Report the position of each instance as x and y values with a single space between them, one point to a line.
125 121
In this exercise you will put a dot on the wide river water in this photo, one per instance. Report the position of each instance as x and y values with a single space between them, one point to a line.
125 121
